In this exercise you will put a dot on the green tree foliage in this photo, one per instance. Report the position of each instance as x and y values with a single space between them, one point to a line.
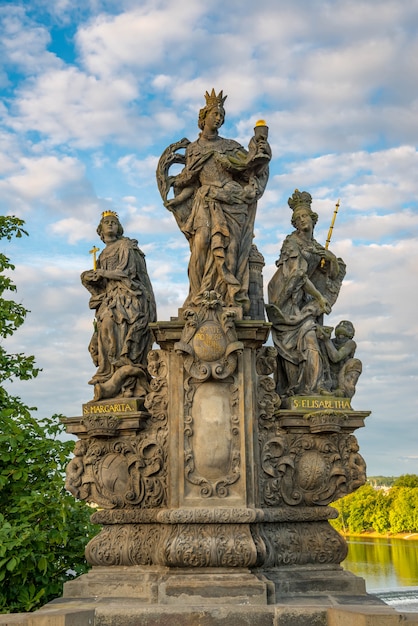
406 480
12 315
380 521
390 511
360 510
43 530
403 514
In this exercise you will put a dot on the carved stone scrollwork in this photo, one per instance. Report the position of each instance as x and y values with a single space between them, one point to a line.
268 401
209 341
177 545
156 401
220 515
326 421
302 543
122 462
102 425
211 545
118 472
266 360
302 470
125 544
308 458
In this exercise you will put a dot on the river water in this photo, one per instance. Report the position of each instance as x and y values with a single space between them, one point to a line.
389 567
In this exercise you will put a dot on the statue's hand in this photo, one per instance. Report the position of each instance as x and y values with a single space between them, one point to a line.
324 332
92 276
169 204
179 198
329 256
331 259
88 276
262 147
324 305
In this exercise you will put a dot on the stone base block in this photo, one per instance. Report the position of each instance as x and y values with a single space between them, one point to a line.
130 612
369 616
313 581
118 612
14 619
51 615
117 582
161 585
213 587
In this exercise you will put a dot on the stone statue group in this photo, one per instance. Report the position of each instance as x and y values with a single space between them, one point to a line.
214 202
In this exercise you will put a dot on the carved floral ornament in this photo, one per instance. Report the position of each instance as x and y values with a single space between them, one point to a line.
326 421
209 341
102 425
308 469
118 472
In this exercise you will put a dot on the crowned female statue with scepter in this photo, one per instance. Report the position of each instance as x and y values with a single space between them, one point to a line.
123 298
304 288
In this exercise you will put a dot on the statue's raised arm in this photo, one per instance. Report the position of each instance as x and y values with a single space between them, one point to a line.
214 203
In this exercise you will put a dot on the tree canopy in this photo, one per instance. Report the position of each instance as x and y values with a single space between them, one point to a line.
385 511
43 530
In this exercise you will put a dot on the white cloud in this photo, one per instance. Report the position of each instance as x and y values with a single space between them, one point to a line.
23 42
67 104
73 230
39 177
156 223
137 38
138 171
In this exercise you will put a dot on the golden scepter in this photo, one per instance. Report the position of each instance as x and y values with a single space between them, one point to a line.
337 206
94 251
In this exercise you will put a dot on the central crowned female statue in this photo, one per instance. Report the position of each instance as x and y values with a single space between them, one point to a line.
215 201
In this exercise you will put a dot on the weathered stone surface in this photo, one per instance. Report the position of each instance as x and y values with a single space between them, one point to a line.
295 611
308 580
214 204
51 615
123 299
216 473
187 616
366 616
301 544
117 582
14 619
211 587
119 461
309 459
304 288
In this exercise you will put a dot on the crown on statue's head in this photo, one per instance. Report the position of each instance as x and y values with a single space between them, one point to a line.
215 100
300 199
112 213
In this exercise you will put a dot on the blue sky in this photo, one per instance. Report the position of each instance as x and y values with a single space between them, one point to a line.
94 90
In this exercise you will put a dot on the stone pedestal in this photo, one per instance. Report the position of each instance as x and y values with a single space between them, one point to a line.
212 492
